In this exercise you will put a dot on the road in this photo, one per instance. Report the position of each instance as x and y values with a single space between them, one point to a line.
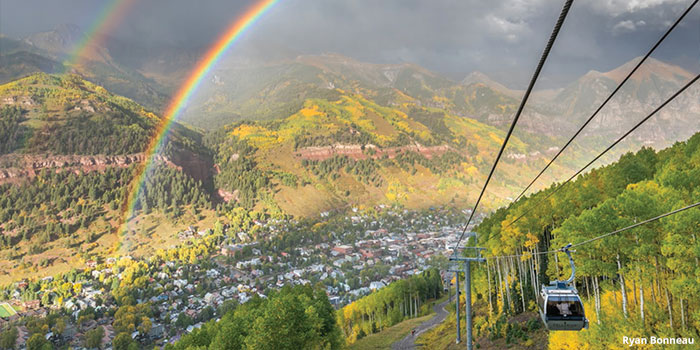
408 341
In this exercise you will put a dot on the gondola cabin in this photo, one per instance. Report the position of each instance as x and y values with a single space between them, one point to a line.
561 308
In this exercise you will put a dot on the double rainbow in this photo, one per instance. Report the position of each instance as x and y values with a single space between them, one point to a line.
183 94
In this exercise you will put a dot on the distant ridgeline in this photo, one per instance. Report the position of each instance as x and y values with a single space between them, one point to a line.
640 282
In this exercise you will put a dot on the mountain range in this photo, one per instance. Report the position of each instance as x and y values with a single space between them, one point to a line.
251 87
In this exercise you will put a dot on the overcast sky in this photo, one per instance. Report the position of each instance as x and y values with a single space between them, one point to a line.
503 38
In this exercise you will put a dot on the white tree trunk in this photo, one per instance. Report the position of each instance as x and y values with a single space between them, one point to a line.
405 306
507 284
623 288
537 266
641 294
415 301
596 297
520 280
588 290
533 275
658 279
641 301
500 284
670 309
682 313
488 278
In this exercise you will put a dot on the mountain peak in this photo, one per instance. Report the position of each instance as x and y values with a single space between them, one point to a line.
59 40
69 30
651 66
477 77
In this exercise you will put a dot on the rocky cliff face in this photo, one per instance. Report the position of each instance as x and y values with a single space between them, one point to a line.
18 167
194 165
562 111
648 88
367 151
15 167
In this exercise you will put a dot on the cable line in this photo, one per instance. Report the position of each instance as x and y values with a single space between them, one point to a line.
619 86
603 235
543 58
558 187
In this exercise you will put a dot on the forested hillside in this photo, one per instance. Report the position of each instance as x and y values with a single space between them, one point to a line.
66 114
19 61
67 158
299 317
50 52
642 282
350 151
390 305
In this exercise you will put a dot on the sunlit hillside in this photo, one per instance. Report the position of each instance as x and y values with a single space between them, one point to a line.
638 283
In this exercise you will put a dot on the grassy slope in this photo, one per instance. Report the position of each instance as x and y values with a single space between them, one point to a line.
388 336
155 231
444 335
384 339
6 310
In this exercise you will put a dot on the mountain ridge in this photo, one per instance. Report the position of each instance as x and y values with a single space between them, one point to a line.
269 89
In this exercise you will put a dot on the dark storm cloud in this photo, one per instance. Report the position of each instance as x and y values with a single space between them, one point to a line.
182 22
503 38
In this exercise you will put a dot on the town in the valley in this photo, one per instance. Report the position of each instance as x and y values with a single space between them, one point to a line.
211 270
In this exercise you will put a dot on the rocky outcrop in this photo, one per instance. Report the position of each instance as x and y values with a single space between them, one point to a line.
18 101
16 167
227 196
35 161
194 165
367 151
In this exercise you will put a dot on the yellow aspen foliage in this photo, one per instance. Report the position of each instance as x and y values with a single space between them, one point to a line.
77 288
497 139
560 340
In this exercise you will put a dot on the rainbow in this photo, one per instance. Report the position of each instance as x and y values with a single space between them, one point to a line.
178 102
111 15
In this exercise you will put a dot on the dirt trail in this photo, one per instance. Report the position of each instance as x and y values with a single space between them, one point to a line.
408 341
